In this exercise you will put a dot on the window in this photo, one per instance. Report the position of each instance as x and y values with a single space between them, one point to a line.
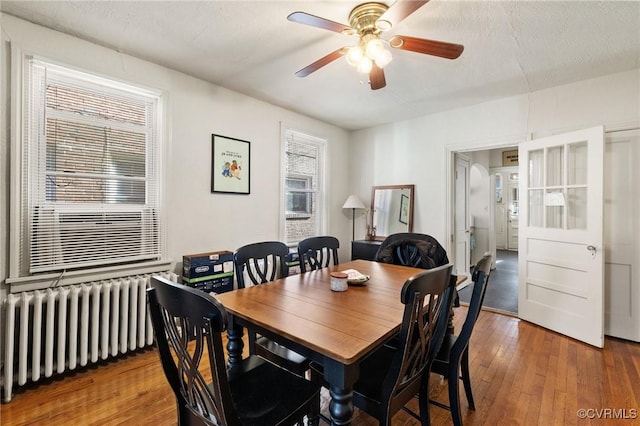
89 179
303 186
298 202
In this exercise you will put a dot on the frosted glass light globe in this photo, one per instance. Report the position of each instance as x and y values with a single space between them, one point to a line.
365 65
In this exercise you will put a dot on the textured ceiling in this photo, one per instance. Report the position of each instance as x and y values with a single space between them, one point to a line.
511 47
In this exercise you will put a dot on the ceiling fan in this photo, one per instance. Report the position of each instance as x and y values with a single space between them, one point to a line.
368 21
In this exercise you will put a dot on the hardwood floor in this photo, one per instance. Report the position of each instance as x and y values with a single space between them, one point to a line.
521 375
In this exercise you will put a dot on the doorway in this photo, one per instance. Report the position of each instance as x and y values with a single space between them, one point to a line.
494 211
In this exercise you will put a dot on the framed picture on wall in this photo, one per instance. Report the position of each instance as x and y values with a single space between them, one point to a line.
230 165
510 158
404 209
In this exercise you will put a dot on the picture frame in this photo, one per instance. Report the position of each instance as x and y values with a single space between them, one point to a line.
404 209
230 165
510 158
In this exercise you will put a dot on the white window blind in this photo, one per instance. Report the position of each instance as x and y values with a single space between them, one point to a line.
303 186
89 171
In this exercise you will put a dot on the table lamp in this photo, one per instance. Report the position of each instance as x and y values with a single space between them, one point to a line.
353 203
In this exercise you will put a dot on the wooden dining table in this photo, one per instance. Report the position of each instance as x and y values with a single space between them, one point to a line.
335 329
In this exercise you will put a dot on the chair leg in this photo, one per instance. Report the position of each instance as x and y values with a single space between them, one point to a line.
314 416
454 398
423 402
466 379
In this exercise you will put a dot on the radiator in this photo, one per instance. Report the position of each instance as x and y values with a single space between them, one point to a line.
63 328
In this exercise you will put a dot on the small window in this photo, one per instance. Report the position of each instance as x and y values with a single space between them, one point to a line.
303 193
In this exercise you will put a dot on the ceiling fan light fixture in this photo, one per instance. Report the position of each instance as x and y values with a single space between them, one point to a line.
373 47
365 65
376 51
354 55
370 49
383 58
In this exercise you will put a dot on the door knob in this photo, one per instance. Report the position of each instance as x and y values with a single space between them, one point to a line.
592 249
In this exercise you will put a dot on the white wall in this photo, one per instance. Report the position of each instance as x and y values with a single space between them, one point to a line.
198 220
479 203
414 151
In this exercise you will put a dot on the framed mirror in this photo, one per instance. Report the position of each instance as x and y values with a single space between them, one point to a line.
391 210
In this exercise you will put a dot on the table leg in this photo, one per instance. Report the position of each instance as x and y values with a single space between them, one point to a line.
341 379
341 406
235 345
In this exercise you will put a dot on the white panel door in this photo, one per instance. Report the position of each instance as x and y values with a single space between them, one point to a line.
513 216
461 217
622 235
501 212
561 262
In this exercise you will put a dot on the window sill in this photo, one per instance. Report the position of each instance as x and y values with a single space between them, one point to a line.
298 216
43 281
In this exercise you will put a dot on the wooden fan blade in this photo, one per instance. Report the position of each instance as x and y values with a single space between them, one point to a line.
316 21
428 47
325 60
400 10
376 78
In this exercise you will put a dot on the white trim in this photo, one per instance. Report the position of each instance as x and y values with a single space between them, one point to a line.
624 127
36 282
18 58
608 128
283 159
321 191
86 79
449 161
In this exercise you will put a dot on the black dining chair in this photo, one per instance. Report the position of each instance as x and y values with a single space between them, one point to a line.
452 361
264 262
261 262
318 252
416 250
188 325
393 374
412 249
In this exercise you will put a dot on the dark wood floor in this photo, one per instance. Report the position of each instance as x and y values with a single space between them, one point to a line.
522 375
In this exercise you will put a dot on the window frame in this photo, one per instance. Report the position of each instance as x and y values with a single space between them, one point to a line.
319 207
20 278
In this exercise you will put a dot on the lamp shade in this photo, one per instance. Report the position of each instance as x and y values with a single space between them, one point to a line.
353 202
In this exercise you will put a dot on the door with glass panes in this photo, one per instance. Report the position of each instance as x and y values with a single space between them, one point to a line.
561 262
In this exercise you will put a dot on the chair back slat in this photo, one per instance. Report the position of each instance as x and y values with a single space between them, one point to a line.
408 255
262 262
318 252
